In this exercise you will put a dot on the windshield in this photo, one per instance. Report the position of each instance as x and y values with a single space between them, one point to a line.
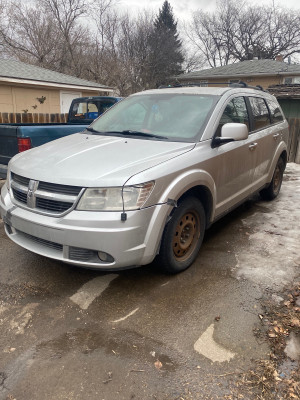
179 117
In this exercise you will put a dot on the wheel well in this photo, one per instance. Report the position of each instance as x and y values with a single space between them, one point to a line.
204 195
283 155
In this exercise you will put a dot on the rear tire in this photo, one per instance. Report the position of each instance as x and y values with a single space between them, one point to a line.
182 237
273 189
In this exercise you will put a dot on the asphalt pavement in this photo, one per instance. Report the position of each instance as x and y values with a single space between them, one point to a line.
70 333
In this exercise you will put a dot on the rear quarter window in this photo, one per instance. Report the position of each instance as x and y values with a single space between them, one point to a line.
260 112
276 114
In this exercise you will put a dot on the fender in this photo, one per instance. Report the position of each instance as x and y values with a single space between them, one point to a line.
176 188
280 149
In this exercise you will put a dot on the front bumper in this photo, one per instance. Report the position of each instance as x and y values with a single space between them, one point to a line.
130 243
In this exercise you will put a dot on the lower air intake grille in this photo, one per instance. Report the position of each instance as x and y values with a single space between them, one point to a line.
43 242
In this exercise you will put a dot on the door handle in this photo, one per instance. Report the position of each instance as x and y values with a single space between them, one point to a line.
252 146
276 136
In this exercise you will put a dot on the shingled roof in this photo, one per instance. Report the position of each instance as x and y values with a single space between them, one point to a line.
18 70
245 68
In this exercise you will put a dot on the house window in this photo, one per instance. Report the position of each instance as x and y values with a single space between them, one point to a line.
290 80
230 81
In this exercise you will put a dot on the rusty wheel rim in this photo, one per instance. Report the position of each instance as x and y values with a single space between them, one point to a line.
186 236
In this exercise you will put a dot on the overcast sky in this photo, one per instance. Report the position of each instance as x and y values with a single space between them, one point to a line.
184 8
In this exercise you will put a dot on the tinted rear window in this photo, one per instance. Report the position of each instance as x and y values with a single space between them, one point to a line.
276 114
261 116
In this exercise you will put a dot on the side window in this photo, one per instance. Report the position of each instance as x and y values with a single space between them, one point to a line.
276 115
235 111
260 112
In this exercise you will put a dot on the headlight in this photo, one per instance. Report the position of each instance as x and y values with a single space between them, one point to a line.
111 199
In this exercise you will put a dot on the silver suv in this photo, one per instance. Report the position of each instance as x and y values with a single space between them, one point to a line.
147 178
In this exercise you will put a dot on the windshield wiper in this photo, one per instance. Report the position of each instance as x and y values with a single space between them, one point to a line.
137 133
92 130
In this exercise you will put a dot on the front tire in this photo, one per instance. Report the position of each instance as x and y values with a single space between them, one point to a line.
182 237
273 189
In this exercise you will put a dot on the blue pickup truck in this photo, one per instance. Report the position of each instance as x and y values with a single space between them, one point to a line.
15 138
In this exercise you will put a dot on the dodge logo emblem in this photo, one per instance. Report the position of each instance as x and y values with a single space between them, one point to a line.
30 194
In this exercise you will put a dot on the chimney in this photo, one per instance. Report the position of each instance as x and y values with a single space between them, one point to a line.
279 58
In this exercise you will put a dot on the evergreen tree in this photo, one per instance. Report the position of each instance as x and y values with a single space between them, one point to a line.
166 47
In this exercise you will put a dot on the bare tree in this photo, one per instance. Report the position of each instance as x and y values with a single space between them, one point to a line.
107 47
239 31
28 33
66 14
120 54
45 36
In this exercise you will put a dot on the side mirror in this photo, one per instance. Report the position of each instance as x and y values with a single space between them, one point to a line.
234 131
231 132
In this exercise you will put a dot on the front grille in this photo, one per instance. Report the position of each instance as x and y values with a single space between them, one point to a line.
43 242
52 205
20 179
20 196
84 255
63 189
50 198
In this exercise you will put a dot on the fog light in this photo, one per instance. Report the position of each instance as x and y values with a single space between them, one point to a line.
105 257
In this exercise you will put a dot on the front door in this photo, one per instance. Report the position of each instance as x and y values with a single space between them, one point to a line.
234 161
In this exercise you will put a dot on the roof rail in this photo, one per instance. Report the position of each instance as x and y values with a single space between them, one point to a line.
239 84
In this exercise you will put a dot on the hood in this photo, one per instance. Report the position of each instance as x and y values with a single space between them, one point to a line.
91 160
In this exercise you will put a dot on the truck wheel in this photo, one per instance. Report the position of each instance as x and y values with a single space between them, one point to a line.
182 236
273 189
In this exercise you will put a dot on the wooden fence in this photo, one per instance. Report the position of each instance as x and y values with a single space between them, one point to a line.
294 140
12 118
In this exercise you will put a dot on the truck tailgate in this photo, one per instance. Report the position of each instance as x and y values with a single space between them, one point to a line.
8 143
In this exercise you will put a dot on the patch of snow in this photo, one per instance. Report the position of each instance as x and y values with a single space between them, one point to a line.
292 349
273 259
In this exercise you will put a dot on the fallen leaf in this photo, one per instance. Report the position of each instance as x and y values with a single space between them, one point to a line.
295 322
158 364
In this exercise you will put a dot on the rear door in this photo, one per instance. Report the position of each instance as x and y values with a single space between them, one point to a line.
263 135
